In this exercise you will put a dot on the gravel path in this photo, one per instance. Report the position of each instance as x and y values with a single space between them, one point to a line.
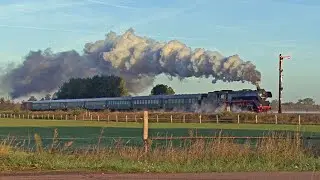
163 176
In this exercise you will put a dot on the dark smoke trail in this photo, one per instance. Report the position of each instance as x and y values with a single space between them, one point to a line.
137 59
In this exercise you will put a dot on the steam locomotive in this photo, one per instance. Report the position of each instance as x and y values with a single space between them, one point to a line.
226 100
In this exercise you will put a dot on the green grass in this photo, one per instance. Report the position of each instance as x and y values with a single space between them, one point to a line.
72 123
86 133
194 156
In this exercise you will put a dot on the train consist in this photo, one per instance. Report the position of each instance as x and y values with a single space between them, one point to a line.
229 100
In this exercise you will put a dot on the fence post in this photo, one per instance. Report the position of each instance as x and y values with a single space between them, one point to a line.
98 118
171 118
19 116
276 119
108 117
184 118
217 117
200 118
238 119
66 117
91 117
299 120
256 119
157 118
116 117
48 116
126 118
135 118
22 116
28 116
145 130
53 116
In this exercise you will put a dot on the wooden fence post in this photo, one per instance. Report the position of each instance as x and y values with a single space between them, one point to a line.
19 116
157 118
276 119
145 130
48 116
217 119
184 118
238 119
256 119
108 117
299 120
66 117
98 118
171 118
126 118
116 117
53 116
91 117
200 118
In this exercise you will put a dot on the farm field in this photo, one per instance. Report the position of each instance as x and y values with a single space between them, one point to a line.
87 133
94 150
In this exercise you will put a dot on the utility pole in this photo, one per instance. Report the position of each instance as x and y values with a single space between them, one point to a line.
280 83
280 80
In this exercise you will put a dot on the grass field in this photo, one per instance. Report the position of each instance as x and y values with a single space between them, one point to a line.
197 156
85 133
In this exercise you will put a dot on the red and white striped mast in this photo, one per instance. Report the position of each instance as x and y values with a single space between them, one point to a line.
280 80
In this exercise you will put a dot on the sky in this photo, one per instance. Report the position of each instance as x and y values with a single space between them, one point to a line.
256 30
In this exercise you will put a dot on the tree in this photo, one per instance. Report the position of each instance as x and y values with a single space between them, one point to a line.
32 98
162 89
306 101
95 87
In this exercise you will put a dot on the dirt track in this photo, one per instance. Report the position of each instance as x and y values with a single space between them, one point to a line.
161 176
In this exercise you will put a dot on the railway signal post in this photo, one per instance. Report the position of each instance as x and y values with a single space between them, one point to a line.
280 80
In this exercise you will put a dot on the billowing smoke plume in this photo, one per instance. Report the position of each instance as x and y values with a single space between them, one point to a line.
137 59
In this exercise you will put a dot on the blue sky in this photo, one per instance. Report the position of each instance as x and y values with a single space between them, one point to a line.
257 30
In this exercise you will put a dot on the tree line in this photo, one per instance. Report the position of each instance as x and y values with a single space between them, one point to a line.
305 104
